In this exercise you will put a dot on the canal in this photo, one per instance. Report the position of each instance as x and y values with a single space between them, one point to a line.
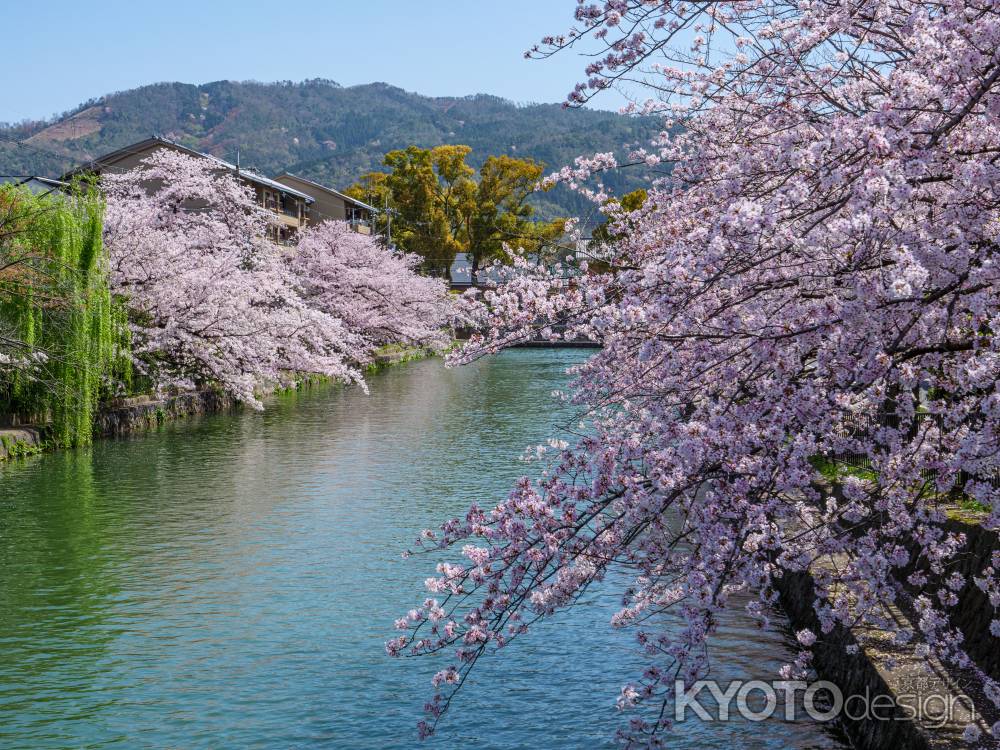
229 582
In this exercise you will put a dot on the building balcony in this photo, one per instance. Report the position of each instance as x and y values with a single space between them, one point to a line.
289 220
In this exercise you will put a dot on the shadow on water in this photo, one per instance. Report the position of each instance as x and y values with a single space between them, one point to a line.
229 582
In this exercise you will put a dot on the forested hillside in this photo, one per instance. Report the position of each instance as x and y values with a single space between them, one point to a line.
323 131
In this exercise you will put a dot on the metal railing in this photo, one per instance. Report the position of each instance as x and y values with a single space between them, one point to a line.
860 426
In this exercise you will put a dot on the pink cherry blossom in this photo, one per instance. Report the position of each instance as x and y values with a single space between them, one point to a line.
212 301
817 277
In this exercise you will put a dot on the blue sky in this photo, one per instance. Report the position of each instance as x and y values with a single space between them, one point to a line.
60 53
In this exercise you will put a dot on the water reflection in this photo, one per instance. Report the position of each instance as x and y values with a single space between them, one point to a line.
229 582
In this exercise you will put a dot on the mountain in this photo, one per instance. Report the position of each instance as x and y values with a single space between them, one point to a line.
324 131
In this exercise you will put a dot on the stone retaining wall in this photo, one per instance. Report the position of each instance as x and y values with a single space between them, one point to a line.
143 413
867 670
854 674
21 441
974 612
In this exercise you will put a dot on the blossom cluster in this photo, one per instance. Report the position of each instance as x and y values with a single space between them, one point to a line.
214 302
816 278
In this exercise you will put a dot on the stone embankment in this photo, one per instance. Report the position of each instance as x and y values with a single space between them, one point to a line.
922 703
122 417
141 413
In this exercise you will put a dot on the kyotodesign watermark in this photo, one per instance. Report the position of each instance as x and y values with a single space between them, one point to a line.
757 700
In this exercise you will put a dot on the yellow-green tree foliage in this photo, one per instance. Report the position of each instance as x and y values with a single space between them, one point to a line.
62 337
627 203
439 206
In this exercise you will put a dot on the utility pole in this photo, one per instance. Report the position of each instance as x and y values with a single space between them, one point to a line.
388 223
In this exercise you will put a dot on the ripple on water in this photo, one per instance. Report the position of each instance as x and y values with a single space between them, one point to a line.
229 582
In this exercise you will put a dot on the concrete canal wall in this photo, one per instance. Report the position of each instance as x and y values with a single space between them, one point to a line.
927 704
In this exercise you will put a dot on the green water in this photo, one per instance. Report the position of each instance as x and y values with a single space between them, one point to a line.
229 582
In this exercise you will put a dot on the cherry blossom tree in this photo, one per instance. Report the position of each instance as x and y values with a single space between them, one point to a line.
817 277
376 292
214 302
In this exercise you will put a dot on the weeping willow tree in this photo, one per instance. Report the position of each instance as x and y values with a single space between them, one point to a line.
63 339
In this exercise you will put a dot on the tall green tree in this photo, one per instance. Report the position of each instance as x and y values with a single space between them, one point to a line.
419 219
63 338
438 206
500 219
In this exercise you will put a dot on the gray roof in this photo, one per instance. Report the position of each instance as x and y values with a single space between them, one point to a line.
330 190
250 176
37 185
